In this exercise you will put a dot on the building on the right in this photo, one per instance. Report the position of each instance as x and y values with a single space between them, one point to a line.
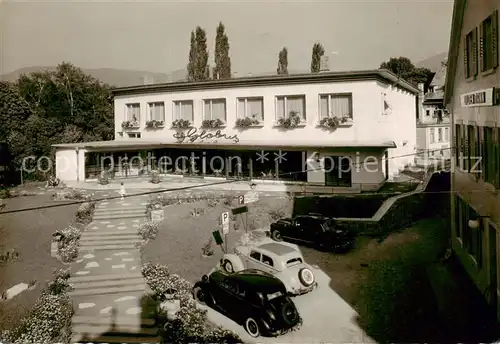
472 98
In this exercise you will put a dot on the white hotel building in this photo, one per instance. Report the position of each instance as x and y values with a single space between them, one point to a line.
372 132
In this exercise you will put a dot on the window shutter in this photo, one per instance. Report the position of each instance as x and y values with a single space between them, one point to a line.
474 52
494 38
481 46
466 148
466 59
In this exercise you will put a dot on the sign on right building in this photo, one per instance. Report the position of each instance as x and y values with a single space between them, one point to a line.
472 98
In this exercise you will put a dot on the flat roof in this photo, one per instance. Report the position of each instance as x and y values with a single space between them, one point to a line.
269 145
322 77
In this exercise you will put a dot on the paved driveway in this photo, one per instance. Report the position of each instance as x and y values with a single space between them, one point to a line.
327 319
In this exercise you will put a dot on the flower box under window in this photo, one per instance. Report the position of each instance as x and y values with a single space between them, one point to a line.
293 120
212 123
247 122
130 124
154 124
181 124
335 122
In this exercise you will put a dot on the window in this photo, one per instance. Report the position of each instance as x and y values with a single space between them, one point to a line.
134 135
472 239
478 150
471 149
251 107
133 113
335 105
267 260
488 42
446 134
338 171
470 56
459 147
440 134
157 111
214 109
255 255
427 112
489 156
496 156
287 105
432 135
230 285
183 109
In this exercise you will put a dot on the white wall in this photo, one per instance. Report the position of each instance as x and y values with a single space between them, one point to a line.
67 164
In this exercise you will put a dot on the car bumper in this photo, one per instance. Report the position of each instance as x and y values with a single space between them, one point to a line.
303 290
279 330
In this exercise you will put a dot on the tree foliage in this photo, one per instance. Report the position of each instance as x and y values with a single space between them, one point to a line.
198 68
50 107
317 52
405 69
222 68
283 62
191 67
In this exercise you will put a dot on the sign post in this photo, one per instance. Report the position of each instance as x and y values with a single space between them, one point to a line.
218 240
225 225
241 210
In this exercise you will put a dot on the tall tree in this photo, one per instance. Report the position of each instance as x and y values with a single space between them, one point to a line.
317 52
405 69
283 62
191 67
222 68
202 69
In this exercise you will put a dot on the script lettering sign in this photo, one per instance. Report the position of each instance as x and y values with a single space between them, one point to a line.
192 135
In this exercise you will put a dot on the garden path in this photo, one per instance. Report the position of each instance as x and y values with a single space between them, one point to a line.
109 290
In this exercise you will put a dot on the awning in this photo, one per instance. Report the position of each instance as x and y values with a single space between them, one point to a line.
268 145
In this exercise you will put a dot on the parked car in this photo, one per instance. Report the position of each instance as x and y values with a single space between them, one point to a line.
282 260
253 298
315 230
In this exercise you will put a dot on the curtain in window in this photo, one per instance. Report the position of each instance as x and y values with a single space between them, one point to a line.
255 107
219 110
323 107
432 135
280 108
133 112
341 106
186 111
241 108
157 111
296 104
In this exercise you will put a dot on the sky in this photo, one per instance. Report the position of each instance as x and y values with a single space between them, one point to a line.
154 35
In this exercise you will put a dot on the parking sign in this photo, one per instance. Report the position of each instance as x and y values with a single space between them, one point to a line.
225 222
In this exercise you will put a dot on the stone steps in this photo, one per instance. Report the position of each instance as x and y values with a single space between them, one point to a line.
107 233
118 330
98 237
102 320
104 242
109 290
119 339
107 247
81 279
120 209
107 283
119 216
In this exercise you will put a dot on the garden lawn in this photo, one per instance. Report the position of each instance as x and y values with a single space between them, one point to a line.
181 236
30 234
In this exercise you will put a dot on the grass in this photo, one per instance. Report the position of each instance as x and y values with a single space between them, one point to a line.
29 233
181 236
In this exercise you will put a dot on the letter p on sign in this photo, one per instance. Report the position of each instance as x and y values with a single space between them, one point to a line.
225 222
241 200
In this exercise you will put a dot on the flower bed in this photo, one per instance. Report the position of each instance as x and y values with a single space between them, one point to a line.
190 324
247 122
212 123
172 199
49 321
292 121
85 212
181 124
147 231
69 195
68 241
154 124
333 122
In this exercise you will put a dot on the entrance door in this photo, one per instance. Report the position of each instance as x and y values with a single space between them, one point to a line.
338 171
493 268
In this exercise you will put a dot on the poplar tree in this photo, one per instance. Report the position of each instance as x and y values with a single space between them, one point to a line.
201 70
222 68
191 67
317 52
283 62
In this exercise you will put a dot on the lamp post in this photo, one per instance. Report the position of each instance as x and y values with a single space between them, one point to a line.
77 150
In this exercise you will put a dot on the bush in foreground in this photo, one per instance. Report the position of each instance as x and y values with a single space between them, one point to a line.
85 212
50 319
67 248
191 324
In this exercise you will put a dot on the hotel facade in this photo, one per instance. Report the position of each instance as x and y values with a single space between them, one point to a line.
347 131
472 98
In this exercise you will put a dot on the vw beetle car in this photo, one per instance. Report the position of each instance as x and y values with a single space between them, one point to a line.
313 229
253 298
282 260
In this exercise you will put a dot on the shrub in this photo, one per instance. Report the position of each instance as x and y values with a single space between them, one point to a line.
104 178
8 256
155 177
148 230
67 248
207 249
85 212
228 200
50 319
52 182
5 193
277 214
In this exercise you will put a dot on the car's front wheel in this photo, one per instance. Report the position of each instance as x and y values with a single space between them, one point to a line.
276 235
252 327
200 295
228 266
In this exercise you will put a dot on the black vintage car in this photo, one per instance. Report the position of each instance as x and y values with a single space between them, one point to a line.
253 298
314 230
